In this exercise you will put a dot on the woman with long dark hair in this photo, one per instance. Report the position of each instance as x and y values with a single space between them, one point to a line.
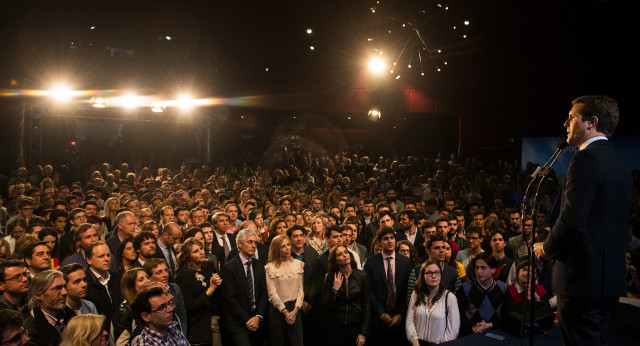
432 315
125 256
346 296
122 321
198 280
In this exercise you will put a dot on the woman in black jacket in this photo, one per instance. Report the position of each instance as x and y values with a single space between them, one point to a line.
198 279
347 298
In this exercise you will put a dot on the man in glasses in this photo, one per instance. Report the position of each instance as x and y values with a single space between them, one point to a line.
14 285
155 309
11 330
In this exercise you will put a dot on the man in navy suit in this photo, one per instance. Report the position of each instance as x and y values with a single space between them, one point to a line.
388 273
223 242
245 292
587 241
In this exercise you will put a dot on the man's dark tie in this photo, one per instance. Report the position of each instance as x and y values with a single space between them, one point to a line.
172 265
391 293
226 247
250 286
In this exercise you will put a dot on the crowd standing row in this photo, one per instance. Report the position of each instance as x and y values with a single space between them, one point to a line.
348 253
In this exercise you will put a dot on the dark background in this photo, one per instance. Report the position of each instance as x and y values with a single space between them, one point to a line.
513 76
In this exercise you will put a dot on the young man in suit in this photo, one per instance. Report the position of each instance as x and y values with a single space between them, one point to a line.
103 285
245 292
164 249
587 241
388 273
223 242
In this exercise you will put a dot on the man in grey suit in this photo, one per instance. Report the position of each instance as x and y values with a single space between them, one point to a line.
587 241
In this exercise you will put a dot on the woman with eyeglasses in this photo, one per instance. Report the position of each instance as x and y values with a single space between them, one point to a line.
406 249
432 315
198 279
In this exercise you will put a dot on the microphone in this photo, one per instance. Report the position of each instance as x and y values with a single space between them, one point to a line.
543 171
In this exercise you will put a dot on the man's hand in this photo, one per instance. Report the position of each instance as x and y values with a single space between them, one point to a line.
538 250
253 323
306 307
481 327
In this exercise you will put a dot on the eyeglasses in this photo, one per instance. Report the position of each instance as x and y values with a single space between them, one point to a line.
474 238
16 338
403 251
18 277
433 274
163 308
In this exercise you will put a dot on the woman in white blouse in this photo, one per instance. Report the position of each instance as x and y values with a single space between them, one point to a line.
284 286
432 315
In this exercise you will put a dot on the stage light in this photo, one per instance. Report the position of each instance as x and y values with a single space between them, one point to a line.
185 102
377 65
129 101
61 93
466 22
98 102
312 48
374 114
157 107
309 31
168 38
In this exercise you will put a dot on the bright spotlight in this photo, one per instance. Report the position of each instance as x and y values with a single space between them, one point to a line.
99 102
130 101
185 102
309 31
61 93
157 107
374 114
377 65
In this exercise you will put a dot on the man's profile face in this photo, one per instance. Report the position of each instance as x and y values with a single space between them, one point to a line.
385 221
77 284
577 130
100 259
160 274
437 251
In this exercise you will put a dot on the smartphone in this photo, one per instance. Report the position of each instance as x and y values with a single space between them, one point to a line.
177 195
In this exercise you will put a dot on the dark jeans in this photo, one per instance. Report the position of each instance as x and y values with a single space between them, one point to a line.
279 327
584 321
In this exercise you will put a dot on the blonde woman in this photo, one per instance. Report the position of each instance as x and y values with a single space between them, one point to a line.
111 206
284 287
85 330
316 236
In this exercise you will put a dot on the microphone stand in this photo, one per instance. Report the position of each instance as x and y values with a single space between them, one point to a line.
541 173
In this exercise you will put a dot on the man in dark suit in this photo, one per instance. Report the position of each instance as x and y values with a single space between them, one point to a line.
223 242
587 241
103 285
388 273
164 249
125 228
245 292
262 251
408 221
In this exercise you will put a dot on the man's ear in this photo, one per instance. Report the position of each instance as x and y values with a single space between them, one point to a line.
145 317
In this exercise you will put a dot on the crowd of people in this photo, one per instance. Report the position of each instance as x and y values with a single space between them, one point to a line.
322 250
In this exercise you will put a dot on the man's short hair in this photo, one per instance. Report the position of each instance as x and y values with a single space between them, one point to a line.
83 228
122 216
384 213
93 203
70 268
9 264
411 215
295 228
141 237
473 229
31 248
487 257
434 238
25 202
216 216
10 319
56 213
328 230
442 219
603 107
89 251
243 234
141 302
152 263
384 231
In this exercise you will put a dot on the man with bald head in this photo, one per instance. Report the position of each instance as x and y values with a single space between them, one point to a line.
164 249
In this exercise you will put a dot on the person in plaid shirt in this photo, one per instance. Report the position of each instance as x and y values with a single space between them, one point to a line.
155 309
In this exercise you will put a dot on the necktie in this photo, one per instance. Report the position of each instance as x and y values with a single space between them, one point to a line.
250 286
226 247
391 293
172 265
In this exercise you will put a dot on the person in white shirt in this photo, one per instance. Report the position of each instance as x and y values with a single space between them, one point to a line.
432 314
